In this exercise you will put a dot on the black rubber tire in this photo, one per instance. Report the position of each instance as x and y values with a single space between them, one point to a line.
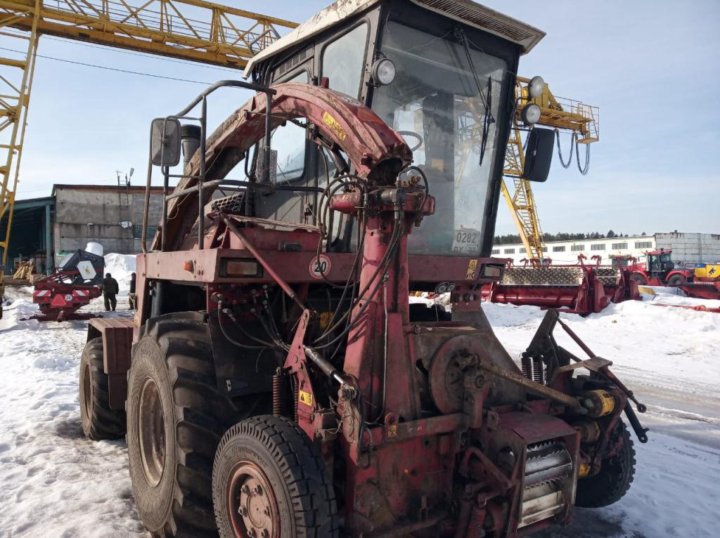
174 359
98 420
615 476
639 279
294 468
676 280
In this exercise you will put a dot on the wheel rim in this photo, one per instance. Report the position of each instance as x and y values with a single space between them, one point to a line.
152 433
251 504
87 398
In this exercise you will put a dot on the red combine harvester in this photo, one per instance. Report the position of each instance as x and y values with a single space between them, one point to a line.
76 281
579 289
275 381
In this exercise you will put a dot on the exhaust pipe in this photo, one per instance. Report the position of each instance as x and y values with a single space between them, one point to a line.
190 137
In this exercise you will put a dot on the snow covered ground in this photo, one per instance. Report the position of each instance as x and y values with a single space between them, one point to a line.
56 483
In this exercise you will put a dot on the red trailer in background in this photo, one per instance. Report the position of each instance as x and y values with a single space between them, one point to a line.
74 284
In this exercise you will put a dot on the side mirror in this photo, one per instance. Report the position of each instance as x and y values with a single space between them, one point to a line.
165 142
539 154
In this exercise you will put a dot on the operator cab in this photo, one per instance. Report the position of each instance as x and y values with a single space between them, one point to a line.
445 83
660 262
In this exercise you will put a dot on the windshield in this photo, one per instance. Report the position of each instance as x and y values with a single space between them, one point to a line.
443 109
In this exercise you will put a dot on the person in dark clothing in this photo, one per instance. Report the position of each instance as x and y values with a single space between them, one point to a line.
131 295
110 290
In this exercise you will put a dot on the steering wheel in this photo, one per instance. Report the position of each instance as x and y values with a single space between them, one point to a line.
414 135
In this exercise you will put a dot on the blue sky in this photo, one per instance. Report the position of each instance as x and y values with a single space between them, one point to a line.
653 68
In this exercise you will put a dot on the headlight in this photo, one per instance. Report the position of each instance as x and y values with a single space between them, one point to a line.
536 87
531 114
383 71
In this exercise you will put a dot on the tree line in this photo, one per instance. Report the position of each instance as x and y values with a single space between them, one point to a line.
562 236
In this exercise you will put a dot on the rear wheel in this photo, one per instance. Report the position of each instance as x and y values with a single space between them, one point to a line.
176 417
615 476
676 280
270 481
98 420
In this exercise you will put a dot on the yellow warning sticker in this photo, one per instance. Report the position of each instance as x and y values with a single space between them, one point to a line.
334 126
472 267
306 398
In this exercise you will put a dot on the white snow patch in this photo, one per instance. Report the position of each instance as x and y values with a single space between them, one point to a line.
121 266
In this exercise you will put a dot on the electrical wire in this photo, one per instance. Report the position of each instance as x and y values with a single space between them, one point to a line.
586 167
142 54
106 68
560 155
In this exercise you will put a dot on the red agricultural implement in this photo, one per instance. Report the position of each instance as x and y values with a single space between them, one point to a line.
657 270
579 289
73 285
275 381
702 290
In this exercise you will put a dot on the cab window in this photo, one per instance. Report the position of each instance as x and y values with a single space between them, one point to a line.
289 143
343 61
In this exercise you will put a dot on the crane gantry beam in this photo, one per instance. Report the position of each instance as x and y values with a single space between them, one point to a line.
559 113
186 29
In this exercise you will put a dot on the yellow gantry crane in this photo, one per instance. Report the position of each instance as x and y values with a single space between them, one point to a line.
563 115
187 29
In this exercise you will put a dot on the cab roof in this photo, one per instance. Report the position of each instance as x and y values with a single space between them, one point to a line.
465 11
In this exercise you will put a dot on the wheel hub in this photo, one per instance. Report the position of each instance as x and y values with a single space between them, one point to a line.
251 504
152 433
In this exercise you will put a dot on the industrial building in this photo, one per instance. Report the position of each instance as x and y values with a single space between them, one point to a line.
50 227
688 249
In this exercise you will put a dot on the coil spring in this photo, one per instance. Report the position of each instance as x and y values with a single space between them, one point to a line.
538 371
279 394
532 368
526 366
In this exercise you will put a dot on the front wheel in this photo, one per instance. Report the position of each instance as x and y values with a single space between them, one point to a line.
269 481
615 476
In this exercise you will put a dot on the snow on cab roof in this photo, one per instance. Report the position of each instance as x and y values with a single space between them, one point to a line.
465 11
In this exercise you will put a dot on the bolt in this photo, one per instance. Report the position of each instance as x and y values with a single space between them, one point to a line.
265 533
243 511
267 511
245 489
252 533
258 490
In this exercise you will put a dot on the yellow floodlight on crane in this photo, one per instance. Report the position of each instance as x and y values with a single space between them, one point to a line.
562 114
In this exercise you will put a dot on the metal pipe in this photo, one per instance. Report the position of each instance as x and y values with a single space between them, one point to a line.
532 386
221 84
146 209
166 184
635 423
201 177
238 183
266 153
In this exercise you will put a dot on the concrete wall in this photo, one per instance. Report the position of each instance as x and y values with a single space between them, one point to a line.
691 248
97 213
